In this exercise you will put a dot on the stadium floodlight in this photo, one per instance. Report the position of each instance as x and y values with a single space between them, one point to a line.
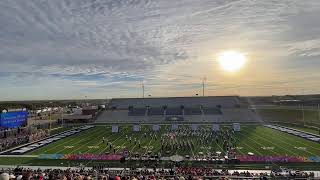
303 119
142 89
319 112
203 84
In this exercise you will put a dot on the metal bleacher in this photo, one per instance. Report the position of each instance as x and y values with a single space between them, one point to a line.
212 111
192 111
137 112
211 101
174 111
155 111
216 109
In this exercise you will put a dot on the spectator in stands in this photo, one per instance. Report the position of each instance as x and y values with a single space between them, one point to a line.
22 138
4 176
181 173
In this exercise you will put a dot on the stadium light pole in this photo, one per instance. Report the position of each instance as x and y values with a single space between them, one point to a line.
319 116
319 112
142 89
62 117
304 122
203 83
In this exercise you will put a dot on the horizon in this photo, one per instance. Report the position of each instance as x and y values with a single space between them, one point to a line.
155 97
79 49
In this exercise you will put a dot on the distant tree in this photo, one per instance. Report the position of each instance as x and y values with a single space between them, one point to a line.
28 106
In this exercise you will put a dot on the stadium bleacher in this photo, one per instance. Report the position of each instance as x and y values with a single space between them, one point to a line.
217 109
174 111
212 111
174 118
155 111
136 111
210 101
192 111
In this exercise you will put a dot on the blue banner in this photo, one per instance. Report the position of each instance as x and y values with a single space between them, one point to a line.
13 119
50 156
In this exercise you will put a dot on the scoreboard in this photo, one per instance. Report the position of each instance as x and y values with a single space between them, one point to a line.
13 119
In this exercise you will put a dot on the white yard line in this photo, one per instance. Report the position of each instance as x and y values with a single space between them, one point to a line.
111 143
148 146
282 147
98 144
253 149
191 148
260 145
62 144
89 137
135 145
114 141
300 142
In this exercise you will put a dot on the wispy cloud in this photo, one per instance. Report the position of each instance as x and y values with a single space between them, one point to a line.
111 46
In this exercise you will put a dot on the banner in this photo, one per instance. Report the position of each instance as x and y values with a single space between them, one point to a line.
136 128
194 127
236 126
13 119
174 127
215 127
242 158
156 127
101 157
50 156
115 129
284 159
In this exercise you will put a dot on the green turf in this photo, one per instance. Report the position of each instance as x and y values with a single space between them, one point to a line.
305 129
256 139
265 141
311 117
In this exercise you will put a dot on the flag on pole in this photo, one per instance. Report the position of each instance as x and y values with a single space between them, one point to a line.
115 129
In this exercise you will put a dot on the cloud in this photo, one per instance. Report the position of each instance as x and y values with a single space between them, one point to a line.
116 44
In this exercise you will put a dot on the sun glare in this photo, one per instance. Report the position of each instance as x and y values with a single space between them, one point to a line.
231 61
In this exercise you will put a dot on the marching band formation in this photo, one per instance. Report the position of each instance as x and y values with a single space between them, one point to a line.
181 141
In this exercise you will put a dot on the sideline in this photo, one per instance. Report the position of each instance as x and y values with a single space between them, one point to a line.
24 148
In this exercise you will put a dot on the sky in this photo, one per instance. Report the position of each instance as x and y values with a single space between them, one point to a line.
71 49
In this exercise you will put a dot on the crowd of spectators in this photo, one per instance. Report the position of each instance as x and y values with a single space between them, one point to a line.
141 174
213 172
21 137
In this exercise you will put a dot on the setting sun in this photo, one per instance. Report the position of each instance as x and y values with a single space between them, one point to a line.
231 61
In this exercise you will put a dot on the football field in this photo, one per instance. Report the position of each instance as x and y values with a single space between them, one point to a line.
257 140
